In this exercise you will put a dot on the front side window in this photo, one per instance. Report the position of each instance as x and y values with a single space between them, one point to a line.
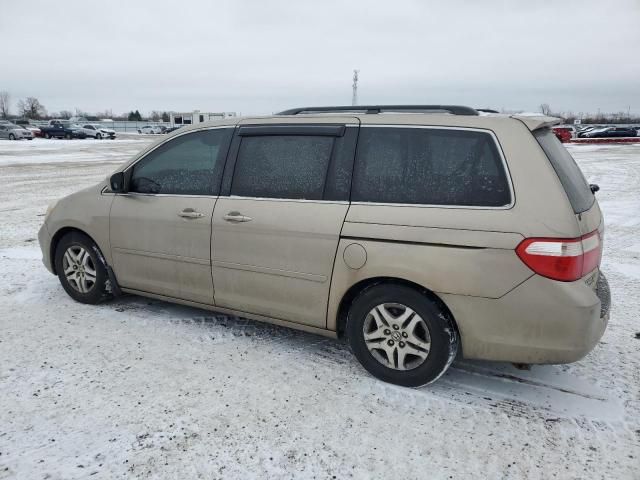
190 164
282 166
429 166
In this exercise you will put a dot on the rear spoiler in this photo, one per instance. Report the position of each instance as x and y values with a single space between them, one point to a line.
537 121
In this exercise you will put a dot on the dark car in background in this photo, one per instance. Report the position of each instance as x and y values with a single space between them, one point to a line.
612 132
62 129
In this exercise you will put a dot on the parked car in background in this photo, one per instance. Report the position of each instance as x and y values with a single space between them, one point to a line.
400 232
624 132
98 131
150 129
612 132
11 131
570 129
563 134
62 129
172 129
590 130
36 131
32 128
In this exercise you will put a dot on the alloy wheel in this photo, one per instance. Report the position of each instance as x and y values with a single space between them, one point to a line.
397 336
79 269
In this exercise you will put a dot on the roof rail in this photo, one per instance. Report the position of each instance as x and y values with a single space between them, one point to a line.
453 109
487 110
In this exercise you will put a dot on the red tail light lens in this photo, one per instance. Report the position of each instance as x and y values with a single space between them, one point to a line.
562 259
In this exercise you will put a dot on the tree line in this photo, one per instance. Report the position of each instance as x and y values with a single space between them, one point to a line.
591 118
31 108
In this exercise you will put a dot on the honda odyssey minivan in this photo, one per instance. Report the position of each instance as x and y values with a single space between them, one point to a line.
420 233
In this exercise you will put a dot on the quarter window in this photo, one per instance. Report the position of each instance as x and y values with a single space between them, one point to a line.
429 166
190 164
282 166
575 185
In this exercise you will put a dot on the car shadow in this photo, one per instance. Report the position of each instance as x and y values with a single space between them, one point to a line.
541 390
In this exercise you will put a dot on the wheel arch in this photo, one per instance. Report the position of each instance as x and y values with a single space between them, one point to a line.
362 285
55 240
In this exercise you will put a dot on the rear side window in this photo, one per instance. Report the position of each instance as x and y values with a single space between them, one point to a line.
570 175
429 166
282 166
190 164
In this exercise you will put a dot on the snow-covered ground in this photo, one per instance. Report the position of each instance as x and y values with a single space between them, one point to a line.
141 388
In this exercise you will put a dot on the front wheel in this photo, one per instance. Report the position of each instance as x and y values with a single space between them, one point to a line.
81 268
68 136
401 335
12 136
98 137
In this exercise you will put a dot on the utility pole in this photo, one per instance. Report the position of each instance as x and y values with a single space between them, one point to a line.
354 98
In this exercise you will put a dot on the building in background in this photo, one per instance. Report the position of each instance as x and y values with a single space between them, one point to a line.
195 117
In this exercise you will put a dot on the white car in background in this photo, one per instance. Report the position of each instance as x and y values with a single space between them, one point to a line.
98 131
150 129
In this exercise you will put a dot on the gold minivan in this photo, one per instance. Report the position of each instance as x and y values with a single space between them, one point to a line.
420 233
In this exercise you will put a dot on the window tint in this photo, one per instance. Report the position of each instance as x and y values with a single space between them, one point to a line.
281 166
570 175
430 167
187 165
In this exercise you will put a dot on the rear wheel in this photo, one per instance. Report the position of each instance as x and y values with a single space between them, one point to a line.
98 136
81 269
68 136
400 335
12 136
48 135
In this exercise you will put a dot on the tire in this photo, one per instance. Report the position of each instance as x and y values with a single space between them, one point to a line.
86 280
98 136
68 136
48 135
424 343
12 136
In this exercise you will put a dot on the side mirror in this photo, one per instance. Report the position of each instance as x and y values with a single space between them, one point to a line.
116 183
594 187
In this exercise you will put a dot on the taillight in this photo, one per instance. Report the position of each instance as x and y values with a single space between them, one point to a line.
561 259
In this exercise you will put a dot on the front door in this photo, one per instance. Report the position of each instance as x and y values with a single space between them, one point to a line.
160 230
276 231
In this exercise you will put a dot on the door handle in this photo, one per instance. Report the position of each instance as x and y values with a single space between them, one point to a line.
236 217
190 213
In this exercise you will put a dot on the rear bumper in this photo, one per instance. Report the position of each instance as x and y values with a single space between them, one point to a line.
540 321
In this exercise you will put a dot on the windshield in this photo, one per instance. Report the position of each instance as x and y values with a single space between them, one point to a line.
570 175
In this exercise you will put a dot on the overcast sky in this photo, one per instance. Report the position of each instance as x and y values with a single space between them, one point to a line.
264 56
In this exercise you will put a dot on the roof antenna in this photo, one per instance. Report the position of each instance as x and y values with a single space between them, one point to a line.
354 98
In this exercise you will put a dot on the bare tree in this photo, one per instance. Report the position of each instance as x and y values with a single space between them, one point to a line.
5 103
155 116
545 109
31 107
66 114
108 113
